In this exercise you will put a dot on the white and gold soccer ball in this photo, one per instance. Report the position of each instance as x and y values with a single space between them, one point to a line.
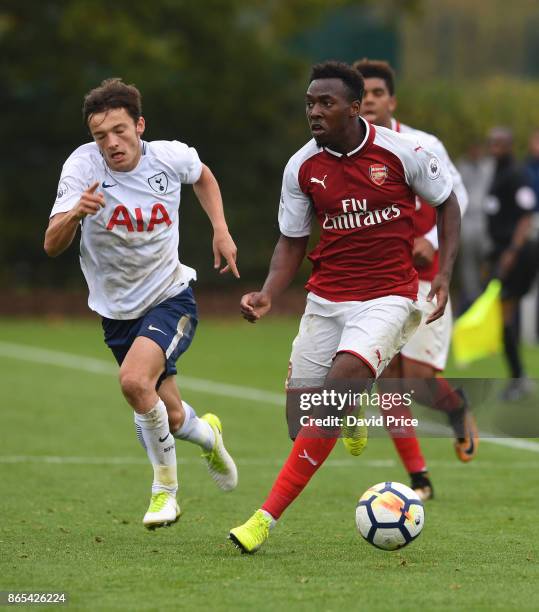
389 515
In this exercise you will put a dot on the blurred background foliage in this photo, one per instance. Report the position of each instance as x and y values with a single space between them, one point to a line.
228 77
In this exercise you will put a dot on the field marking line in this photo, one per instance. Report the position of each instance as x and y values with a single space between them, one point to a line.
254 461
250 461
99 366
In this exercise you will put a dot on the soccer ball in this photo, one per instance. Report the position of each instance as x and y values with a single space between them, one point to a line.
389 515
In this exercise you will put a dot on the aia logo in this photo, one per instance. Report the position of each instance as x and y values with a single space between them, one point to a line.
121 217
378 173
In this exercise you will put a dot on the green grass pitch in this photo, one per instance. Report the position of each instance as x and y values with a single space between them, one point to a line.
75 485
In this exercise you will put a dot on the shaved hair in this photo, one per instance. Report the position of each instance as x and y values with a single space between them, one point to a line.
351 78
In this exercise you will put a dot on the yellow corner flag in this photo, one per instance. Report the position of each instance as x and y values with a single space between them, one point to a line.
478 332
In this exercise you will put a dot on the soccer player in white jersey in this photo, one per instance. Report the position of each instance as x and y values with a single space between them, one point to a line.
360 182
424 356
124 194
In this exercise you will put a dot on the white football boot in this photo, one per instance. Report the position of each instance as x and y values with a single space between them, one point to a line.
221 466
162 512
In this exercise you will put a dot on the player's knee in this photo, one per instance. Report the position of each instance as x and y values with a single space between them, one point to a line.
347 367
134 386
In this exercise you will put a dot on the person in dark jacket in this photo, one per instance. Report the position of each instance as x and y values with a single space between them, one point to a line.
509 207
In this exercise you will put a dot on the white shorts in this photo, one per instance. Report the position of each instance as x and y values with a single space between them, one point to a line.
430 343
374 331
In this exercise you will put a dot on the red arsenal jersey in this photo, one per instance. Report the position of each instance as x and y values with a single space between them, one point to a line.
365 204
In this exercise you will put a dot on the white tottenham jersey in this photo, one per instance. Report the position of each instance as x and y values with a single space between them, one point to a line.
129 249
436 146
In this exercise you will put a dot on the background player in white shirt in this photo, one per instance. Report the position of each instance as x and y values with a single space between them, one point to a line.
124 194
360 182
425 354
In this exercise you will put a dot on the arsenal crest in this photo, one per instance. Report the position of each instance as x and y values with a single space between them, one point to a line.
159 182
378 173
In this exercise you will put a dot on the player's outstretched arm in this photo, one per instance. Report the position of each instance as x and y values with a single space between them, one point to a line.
448 221
287 257
63 226
209 195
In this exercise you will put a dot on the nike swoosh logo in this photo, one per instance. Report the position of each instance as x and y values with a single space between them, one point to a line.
105 186
163 439
152 328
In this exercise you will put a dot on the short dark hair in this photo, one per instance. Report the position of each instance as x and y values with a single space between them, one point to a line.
339 70
112 93
377 69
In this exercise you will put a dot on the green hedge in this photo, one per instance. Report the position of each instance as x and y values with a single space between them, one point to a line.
461 112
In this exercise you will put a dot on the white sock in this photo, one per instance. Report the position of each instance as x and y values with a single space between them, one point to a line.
195 430
154 434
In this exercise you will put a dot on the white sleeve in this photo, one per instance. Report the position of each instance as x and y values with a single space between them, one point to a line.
462 196
432 237
459 189
458 186
525 198
295 208
428 176
186 162
76 177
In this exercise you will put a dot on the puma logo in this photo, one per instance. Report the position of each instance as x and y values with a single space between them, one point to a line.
319 181
309 459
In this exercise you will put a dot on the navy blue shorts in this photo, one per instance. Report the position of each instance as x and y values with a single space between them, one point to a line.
171 325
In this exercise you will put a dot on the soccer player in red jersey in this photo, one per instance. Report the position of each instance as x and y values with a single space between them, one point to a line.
360 182
424 356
